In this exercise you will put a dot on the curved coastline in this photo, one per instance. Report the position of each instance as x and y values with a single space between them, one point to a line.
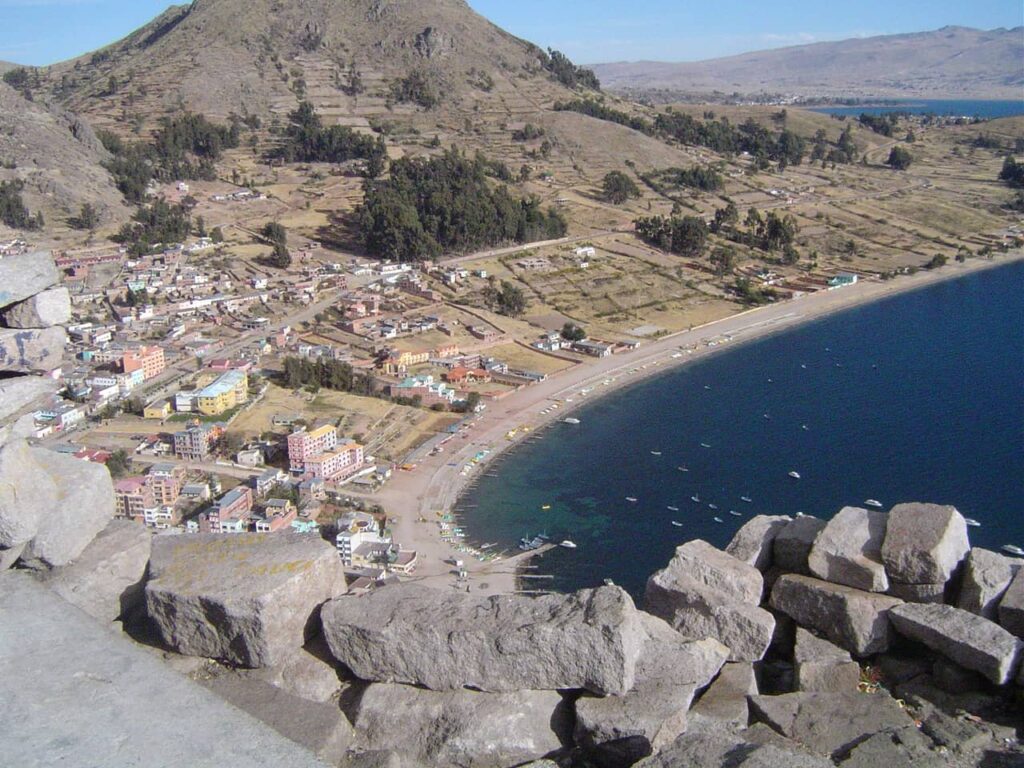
418 498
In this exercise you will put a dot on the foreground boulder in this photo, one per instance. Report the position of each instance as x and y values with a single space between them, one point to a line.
986 577
705 592
849 550
249 600
793 544
409 633
24 275
619 730
726 700
713 749
1011 607
971 641
32 349
46 309
309 673
462 729
753 543
924 543
822 667
855 620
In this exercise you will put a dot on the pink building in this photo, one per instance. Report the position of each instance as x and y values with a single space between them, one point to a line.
303 445
337 464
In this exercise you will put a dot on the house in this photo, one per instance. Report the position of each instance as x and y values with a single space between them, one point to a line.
461 376
197 442
278 514
586 252
425 388
268 481
159 410
150 360
593 348
399 362
484 333
166 482
355 530
249 457
132 497
228 391
842 279
305 526
199 491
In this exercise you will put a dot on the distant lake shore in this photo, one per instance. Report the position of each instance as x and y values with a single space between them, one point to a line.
981 108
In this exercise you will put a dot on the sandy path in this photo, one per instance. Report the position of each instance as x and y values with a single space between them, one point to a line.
437 481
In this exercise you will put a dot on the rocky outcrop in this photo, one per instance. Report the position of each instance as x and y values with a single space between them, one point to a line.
793 543
753 542
412 634
31 350
971 641
249 600
1011 607
724 750
704 592
986 577
849 550
44 310
619 730
725 701
461 729
24 275
924 543
309 673
822 667
853 619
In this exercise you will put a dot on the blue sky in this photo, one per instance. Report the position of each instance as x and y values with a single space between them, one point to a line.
44 31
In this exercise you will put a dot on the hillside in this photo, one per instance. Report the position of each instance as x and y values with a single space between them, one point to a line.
58 158
953 62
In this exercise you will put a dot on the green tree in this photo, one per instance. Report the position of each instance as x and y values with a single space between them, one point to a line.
573 332
280 257
217 235
87 218
723 260
617 188
899 159
118 464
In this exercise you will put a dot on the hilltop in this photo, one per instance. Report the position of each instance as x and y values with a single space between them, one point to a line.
952 62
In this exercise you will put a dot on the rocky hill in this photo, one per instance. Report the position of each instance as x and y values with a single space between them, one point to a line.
57 157
952 62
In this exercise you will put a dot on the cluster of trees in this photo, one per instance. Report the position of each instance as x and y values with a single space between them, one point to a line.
447 203
884 125
506 299
528 132
770 233
844 152
573 332
598 109
686 235
328 374
1012 173
277 236
567 73
22 79
416 88
617 188
899 158
13 211
668 180
306 140
159 222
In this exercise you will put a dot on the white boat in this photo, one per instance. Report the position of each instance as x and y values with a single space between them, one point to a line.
719 520
803 427
570 421
746 499
683 469
631 499
568 544
706 386
873 503
673 509
695 498
609 583
734 513
655 453
677 524
1013 549
712 506
972 522
794 474
704 445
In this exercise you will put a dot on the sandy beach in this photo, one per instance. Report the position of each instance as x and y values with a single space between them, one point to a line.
415 500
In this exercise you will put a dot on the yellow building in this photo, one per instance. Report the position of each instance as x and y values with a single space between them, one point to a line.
228 391
158 410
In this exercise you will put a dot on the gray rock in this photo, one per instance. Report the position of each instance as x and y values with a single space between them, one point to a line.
409 633
918 593
753 542
46 309
308 672
829 723
726 700
924 543
704 592
851 618
952 678
22 495
380 759
462 729
970 640
822 667
31 350
250 600
986 576
901 748
793 544
106 580
25 275
712 749
849 550
74 501
619 730
897 670
953 733
21 392
9 556
1011 607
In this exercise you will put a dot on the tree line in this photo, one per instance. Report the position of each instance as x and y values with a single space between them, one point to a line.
306 140
326 374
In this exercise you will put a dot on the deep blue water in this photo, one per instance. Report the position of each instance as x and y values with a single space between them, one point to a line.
943 108
918 397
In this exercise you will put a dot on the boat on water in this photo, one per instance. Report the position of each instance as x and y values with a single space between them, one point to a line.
568 544
695 498
546 507
734 513
747 499
529 545
677 524
683 469
655 453
707 386
570 420
673 509
712 506
804 427
719 520
794 474
609 583
1013 549
873 503
972 522
704 445
631 499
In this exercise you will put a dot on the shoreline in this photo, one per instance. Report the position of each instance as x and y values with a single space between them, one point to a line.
417 499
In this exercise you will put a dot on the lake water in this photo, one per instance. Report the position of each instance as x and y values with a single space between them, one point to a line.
918 397
944 108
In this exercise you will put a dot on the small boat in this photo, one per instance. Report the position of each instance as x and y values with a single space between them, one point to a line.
794 474
673 509
695 499
801 514
873 503
683 469
707 386
734 513
1013 549
746 499
767 416
609 583
546 507
719 520
803 366
631 499
677 524
712 506
704 445
568 544
972 522
570 421
803 427
655 453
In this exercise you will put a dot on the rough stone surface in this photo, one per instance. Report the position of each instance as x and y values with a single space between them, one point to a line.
986 576
924 543
726 700
753 542
952 678
31 350
74 501
1011 607
409 633
22 496
21 392
723 750
849 550
902 748
704 592
46 309
461 729
793 544
106 580
25 275
9 556
619 730
823 667
250 600
851 618
308 672
918 593
971 641
829 723
107 700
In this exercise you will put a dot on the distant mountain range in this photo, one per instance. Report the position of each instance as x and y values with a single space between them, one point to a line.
952 62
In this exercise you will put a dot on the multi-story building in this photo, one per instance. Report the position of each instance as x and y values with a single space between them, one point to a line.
304 445
150 360
237 501
133 498
166 482
226 392
196 443
336 464
428 391
278 514
354 530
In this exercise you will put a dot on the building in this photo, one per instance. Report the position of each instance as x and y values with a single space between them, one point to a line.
426 389
150 360
336 464
197 442
592 348
354 530
268 481
132 498
166 482
842 280
159 410
228 391
278 514
303 445
229 514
